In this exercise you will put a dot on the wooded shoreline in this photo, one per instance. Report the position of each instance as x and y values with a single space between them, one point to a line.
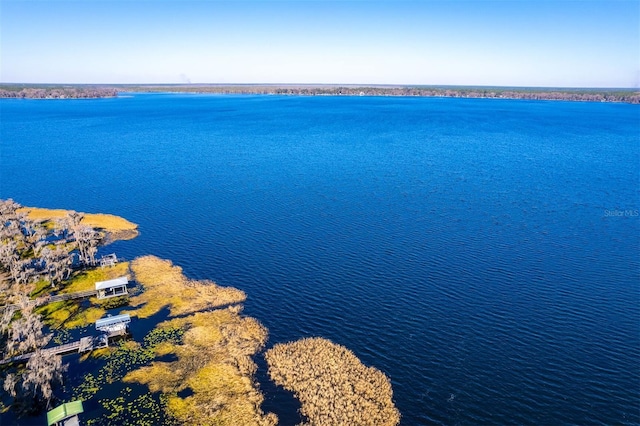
56 92
622 95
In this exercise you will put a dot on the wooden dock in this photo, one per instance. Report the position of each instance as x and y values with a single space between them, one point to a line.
71 296
85 344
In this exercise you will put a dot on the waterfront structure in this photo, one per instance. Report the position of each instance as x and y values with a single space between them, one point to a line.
65 414
112 288
108 260
113 325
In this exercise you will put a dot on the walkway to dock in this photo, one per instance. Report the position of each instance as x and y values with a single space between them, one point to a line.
56 298
85 344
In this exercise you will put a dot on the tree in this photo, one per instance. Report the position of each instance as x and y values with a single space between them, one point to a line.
86 238
43 370
10 259
57 263
25 333
9 219
10 384
23 246
35 236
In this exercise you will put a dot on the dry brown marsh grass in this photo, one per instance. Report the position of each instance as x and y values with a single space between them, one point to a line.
333 386
165 286
214 364
108 222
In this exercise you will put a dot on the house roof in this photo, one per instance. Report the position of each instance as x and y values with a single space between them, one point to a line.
102 285
64 411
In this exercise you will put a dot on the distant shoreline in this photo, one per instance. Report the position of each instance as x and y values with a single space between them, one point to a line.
622 95
56 92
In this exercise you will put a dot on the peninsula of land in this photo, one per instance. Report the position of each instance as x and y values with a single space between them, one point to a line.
529 93
191 358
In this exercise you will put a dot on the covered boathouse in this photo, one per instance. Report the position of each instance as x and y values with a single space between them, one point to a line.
112 288
65 414
114 325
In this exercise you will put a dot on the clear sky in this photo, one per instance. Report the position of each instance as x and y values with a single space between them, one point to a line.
557 43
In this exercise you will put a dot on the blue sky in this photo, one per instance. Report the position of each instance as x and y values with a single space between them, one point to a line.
557 43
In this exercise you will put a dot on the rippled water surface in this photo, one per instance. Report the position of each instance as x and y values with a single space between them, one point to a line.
484 254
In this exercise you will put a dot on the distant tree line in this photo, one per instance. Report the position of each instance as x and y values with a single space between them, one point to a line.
580 95
57 92
584 95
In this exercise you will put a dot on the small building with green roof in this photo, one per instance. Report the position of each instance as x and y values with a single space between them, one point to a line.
65 414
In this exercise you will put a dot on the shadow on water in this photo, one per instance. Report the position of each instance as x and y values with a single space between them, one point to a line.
277 400
140 327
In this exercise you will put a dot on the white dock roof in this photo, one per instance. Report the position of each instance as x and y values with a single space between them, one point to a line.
113 320
118 282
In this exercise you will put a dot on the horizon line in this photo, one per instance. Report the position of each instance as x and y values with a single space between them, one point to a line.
351 85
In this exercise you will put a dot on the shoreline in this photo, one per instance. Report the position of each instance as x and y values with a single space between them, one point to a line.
630 96
613 95
192 359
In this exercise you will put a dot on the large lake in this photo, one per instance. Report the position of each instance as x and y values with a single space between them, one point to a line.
484 254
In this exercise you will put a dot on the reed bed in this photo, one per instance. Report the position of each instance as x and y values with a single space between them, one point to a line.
108 222
333 386
214 368
165 286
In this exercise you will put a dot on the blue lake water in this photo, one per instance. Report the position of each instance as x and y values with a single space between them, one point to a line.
484 254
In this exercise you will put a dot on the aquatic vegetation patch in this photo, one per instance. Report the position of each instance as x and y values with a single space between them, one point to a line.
333 386
142 410
61 337
96 353
114 302
211 382
165 286
123 358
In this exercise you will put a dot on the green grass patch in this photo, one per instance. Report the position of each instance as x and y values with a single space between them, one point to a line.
96 354
114 302
84 317
42 288
69 314
86 280
55 314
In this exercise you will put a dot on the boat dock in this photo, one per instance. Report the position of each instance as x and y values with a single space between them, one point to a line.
86 344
